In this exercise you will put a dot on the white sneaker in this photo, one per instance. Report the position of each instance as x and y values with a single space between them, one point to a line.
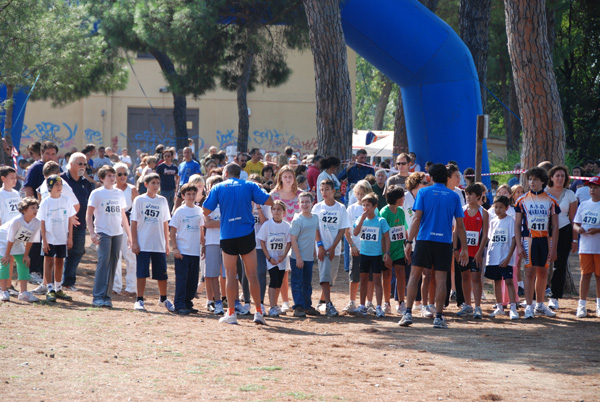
28 297
139 305
73 289
258 319
425 312
4 296
379 312
167 304
598 311
350 307
285 307
498 312
477 313
401 308
40 290
229 319
35 278
273 312
544 310
581 312
219 308
387 308
465 310
528 312
553 303
361 310
322 307
513 314
370 308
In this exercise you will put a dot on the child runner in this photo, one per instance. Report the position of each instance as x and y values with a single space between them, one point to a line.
261 213
149 227
333 220
393 213
214 268
302 235
106 221
587 224
275 242
187 233
476 224
500 255
536 212
361 188
9 204
56 214
16 238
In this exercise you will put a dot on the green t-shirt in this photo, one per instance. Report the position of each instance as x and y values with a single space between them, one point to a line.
398 230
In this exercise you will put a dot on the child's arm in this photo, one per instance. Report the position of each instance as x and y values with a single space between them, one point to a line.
263 245
26 258
261 216
518 235
387 259
90 224
135 247
173 236
285 253
321 253
358 227
506 261
6 258
554 241
202 242
484 238
337 239
126 228
296 248
353 249
211 223
44 240
166 231
70 234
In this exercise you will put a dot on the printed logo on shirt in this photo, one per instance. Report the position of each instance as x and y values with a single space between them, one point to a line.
111 207
500 236
151 213
276 241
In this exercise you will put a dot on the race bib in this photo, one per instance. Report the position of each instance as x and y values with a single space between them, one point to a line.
151 213
369 234
397 233
500 236
12 206
256 217
472 238
23 235
331 220
276 242
590 218
538 223
112 208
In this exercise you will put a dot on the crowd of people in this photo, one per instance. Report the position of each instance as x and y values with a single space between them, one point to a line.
420 239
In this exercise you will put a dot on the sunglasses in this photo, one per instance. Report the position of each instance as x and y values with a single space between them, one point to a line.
402 163
424 182
81 164
121 174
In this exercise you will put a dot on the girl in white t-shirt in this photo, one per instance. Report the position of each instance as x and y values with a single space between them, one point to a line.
275 242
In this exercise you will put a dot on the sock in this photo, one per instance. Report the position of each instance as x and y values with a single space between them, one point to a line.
513 306
540 305
50 287
521 284
499 305
231 311
57 285
379 306
438 315
322 301
139 298
223 298
259 309
583 302
597 301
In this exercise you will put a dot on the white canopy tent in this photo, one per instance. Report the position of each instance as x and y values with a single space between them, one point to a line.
383 148
359 137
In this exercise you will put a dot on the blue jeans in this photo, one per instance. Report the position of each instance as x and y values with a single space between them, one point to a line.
170 196
187 271
74 256
301 283
346 255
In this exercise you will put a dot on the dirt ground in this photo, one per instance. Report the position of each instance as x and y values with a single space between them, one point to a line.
71 351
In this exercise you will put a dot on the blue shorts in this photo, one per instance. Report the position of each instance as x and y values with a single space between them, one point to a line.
159 265
496 272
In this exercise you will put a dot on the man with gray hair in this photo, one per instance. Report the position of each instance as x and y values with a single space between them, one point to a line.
234 197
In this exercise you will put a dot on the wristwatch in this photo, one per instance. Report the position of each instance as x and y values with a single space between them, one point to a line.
408 241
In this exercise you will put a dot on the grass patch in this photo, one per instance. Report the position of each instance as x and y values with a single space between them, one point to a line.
251 388
299 395
266 368
3 346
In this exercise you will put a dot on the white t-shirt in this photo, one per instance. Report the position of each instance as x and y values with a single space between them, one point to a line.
324 176
67 191
564 203
9 205
19 232
266 210
354 212
500 233
55 212
276 237
510 212
331 220
188 222
409 203
150 215
107 213
583 194
588 216
213 235
126 159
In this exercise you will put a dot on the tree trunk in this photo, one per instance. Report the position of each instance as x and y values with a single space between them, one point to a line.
474 19
504 94
515 124
179 100
242 92
535 83
5 159
384 98
400 135
332 79
430 4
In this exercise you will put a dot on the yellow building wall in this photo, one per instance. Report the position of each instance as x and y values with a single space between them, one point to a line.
279 116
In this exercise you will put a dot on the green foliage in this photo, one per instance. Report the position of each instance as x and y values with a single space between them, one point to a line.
369 83
498 164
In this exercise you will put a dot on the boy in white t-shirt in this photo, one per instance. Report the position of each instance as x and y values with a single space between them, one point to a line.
49 169
149 227
500 255
333 221
107 206
214 275
187 233
587 225
274 236
57 215
9 202
16 238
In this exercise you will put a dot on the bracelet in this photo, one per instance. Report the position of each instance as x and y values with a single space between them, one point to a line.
353 245
319 244
575 241
408 241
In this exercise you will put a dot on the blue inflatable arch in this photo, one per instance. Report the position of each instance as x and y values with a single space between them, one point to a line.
432 66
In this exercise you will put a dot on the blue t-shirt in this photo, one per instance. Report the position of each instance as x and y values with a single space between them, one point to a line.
187 169
234 198
371 235
167 176
439 205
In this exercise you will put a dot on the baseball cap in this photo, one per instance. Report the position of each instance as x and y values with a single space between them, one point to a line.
594 180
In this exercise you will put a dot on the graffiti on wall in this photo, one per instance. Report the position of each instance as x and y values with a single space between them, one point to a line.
147 140
93 137
269 140
63 135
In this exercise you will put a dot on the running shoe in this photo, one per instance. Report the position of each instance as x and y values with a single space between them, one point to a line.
28 297
379 313
60 294
285 307
12 291
477 314
35 278
241 309
107 303
167 304
544 310
71 288
350 307
406 320
425 312
581 312
465 310
40 290
598 311
279 311
312 311
361 310
331 311
322 307
182 311
553 303
210 306
401 308
528 313
548 292
258 319
230 319
51 296
370 308
453 295
273 312
498 311
98 303
387 308
440 323
218 308
513 314
4 296
139 305
299 312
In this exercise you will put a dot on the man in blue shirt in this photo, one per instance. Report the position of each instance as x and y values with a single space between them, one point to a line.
435 207
234 198
356 171
188 167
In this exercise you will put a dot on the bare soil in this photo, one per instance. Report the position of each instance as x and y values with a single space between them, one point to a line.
72 351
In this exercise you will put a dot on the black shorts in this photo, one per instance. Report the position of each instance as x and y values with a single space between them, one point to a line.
496 272
471 266
370 264
537 250
399 261
239 245
59 251
432 254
